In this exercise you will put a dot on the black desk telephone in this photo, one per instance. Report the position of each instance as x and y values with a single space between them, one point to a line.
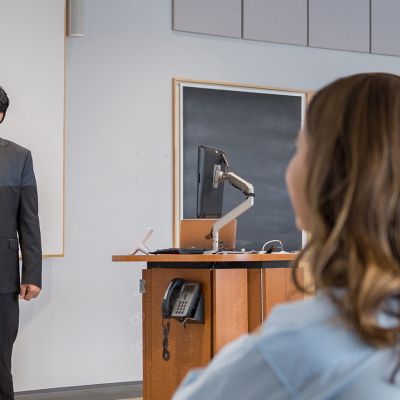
180 299
184 302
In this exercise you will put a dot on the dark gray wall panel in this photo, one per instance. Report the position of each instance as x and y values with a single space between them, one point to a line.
214 17
385 27
339 24
257 131
282 21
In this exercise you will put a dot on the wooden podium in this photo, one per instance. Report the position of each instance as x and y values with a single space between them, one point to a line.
239 291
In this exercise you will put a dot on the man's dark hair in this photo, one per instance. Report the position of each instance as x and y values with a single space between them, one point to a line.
4 102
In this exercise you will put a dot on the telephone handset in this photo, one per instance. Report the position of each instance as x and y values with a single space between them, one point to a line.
180 299
170 296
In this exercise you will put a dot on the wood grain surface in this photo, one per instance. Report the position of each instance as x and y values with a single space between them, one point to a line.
230 310
177 258
190 347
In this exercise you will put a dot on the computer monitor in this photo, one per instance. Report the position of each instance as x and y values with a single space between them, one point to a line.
209 193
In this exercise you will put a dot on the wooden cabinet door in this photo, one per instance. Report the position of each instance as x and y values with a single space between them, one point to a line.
230 306
279 288
268 287
190 347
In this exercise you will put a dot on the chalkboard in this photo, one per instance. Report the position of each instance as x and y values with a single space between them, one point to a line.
257 129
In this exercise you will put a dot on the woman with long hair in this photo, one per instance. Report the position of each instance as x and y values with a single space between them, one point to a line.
344 184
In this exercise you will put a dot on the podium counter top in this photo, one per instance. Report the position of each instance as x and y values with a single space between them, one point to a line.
200 258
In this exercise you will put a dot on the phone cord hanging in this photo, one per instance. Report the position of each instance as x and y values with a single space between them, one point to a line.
165 352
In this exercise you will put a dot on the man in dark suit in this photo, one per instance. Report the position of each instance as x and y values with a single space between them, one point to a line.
19 227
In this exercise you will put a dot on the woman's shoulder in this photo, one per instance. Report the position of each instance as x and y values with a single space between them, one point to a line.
311 326
317 311
305 340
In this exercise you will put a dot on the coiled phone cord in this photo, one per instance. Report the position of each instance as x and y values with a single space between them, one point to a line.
165 327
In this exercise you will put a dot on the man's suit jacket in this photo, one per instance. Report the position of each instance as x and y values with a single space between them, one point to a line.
19 222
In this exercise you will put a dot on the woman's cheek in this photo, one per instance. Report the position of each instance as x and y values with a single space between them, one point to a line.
295 181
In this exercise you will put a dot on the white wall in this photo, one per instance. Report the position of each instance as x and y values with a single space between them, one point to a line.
37 115
84 329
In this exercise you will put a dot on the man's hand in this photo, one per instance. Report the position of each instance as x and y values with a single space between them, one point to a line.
29 292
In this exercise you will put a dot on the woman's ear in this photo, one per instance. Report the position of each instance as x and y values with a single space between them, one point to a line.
1 117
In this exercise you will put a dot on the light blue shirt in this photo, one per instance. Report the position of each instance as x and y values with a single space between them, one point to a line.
303 352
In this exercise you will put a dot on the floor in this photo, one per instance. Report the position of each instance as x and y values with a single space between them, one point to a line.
130 391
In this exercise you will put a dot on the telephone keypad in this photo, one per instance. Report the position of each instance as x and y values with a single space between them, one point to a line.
181 306
185 300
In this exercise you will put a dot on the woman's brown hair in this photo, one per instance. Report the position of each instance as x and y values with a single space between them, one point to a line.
353 192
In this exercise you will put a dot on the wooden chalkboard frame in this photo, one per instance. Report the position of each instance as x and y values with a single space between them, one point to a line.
178 85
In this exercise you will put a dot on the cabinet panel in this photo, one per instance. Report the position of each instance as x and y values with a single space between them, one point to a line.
190 347
292 293
282 21
279 287
340 24
230 306
255 290
274 288
146 335
385 27
214 17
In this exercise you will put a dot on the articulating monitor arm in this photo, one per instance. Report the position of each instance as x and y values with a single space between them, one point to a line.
246 188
